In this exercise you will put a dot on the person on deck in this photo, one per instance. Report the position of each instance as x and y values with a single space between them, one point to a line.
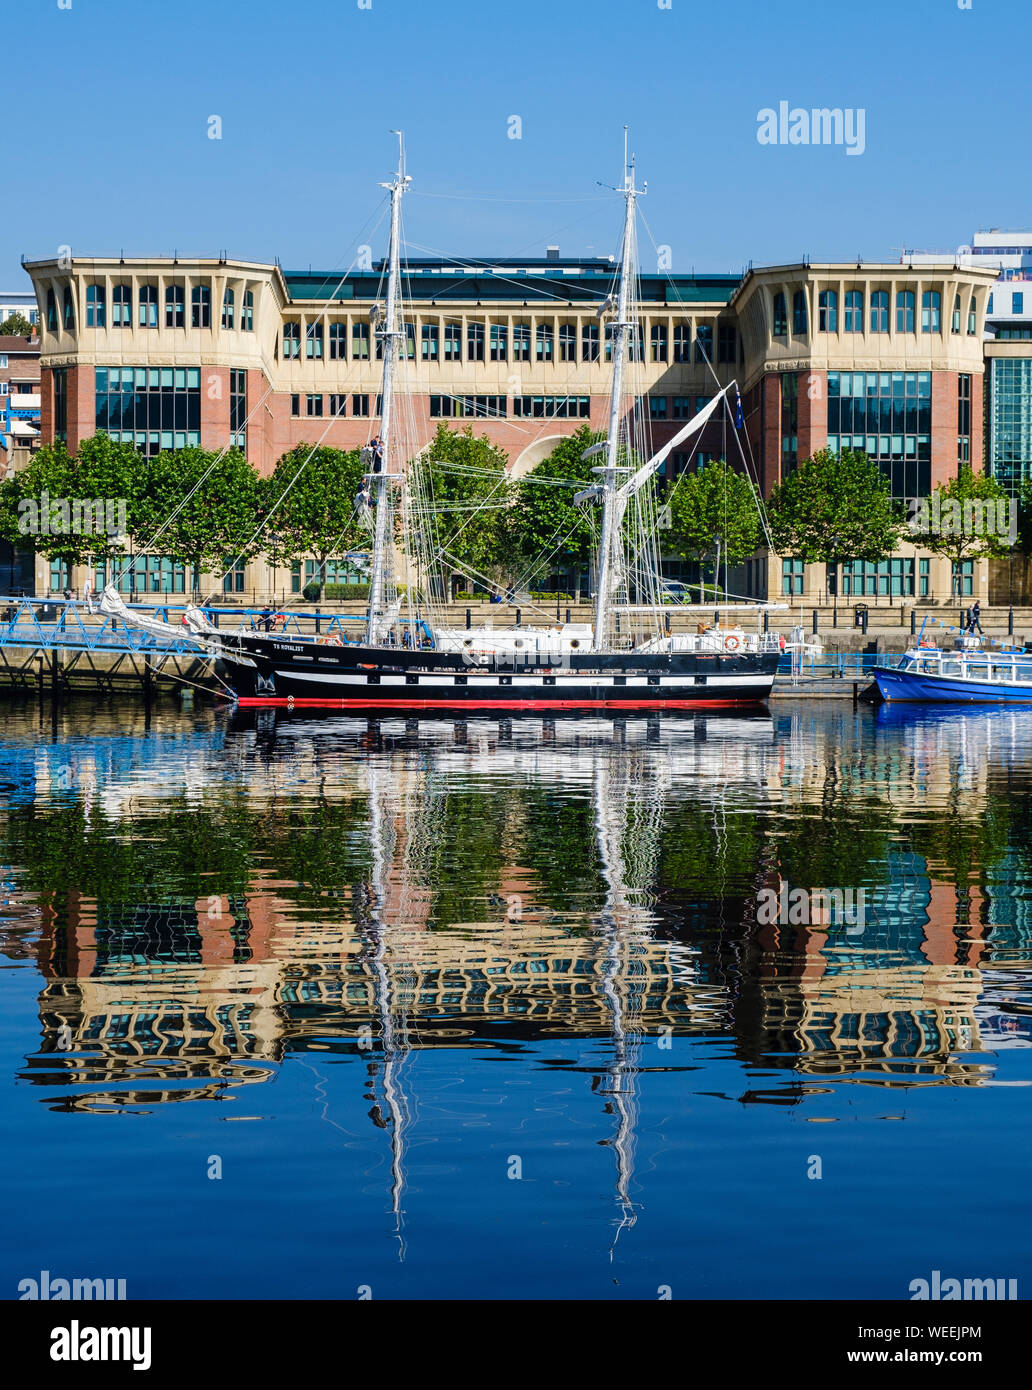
973 621
265 618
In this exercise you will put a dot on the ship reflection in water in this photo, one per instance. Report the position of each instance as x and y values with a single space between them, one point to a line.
213 901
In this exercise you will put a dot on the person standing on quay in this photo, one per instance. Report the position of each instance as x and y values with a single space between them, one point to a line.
974 622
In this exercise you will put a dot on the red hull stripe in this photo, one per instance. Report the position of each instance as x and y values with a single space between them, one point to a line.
303 702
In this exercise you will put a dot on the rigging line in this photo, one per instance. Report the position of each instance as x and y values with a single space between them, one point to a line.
481 198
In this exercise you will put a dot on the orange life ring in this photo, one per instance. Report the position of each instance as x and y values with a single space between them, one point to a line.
731 643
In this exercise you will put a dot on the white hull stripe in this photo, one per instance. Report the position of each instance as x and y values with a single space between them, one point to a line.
492 682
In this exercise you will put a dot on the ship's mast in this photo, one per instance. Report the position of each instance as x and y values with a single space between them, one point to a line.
379 480
610 541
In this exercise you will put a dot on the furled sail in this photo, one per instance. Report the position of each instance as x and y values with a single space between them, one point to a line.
698 422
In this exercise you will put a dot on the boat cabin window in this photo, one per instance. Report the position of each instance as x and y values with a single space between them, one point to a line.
951 668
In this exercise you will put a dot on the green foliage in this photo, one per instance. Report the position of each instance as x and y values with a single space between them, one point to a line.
219 520
337 591
458 474
716 501
542 515
961 518
316 516
834 507
17 326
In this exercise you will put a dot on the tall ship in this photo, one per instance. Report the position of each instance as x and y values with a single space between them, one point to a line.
409 658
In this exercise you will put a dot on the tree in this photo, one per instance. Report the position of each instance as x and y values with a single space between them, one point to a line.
198 511
17 326
543 515
316 516
462 488
968 518
834 507
714 512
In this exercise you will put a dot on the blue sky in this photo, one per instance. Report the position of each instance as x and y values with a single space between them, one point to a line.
111 151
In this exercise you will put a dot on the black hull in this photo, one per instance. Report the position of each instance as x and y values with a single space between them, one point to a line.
280 672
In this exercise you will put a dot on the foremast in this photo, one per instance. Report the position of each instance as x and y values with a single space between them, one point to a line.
610 543
379 480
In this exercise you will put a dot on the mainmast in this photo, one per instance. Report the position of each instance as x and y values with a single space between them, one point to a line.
610 544
378 481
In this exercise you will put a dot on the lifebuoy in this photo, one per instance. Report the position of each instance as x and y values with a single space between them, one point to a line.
731 643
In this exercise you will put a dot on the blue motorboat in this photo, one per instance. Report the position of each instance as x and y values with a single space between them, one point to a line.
969 674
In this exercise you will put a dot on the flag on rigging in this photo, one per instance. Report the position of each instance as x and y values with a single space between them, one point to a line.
739 417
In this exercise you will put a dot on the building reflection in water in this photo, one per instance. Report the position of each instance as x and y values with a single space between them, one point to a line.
189 997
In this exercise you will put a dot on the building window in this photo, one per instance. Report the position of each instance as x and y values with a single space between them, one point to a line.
359 342
360 405
931 311
972 316
704 343
408 341
1017 302
589 342
799 320
924 577
545 342
827 311
338 405
658 336
474 407
453 342
964 404
682 407
789 422
521 342
727 343
780 329
228 309
878 579
793 572
430 342
175 306
963 579
568 342
887 415
121 306
955 325
152 408
657 408
989 305
61 403
314 340
51 312
682 342
474 341
200 306
313 406
1010 421
233 576
338 342
291 340
148 306
880 311
146 574
499 342
552 407
95 311
247 312
69 310
238 408
295 405
854 311
905 311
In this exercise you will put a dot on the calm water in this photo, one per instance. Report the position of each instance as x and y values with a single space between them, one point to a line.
495 1010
